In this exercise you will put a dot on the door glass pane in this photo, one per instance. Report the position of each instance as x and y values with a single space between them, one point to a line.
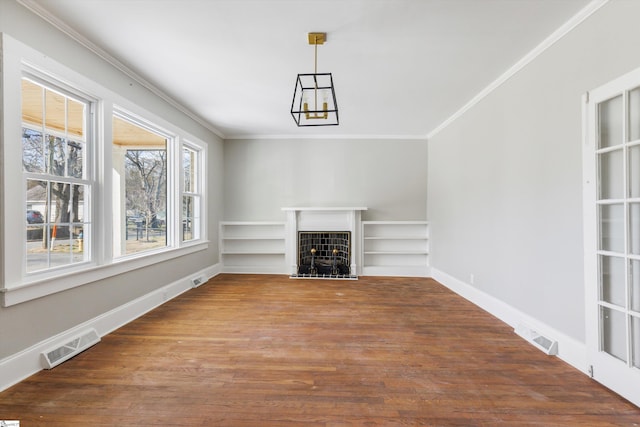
635 337
613 333
612 228
634 228
610 120
634 171
611 175
612 285
634 114
635 284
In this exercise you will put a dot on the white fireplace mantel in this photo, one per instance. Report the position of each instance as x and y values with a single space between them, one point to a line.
325 208
322 218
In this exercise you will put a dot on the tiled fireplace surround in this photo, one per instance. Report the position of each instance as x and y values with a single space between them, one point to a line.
322 219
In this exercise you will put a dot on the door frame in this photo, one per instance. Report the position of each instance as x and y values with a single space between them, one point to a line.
612 373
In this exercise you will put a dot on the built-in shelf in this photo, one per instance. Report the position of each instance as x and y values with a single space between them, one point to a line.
252 247
386 248
395 248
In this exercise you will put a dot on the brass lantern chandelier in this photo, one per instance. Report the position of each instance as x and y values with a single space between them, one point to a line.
314 97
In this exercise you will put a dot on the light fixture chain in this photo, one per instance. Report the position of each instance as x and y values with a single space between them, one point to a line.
316 56
315 78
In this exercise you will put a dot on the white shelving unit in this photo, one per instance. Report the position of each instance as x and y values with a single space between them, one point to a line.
395 248
252 247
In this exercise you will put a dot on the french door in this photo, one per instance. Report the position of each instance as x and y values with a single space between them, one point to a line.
612 234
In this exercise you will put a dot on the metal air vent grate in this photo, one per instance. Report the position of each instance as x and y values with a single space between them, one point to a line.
56 355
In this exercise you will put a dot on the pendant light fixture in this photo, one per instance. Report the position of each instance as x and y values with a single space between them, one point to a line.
314 97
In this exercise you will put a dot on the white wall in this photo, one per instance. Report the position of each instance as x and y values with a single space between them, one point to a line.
387 176
505 179
31 322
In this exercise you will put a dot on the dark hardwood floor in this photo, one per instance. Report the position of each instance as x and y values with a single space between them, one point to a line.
266 350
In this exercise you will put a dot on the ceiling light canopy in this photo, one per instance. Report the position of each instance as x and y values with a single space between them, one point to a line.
314 97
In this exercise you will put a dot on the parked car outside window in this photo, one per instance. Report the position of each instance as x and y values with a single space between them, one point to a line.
34 217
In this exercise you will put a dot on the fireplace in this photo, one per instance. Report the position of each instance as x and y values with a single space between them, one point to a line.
323 242
324 254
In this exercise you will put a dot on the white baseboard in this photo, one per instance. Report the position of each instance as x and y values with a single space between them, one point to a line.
570 350
254 269
398 271
25 363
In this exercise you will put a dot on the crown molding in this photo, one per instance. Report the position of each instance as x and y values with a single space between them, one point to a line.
35 8
329 137
567 27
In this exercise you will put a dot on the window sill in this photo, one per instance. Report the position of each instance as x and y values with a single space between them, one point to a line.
36 289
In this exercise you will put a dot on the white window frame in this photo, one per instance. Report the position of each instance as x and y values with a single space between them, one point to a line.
198 189
15 285
89 165
171 148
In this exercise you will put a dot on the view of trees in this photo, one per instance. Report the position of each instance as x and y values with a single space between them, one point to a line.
146 186
55 160
145 183
56 157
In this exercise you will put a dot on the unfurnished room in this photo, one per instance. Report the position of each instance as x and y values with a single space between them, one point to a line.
319 212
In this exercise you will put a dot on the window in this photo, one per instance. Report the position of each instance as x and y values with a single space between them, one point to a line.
191 193
55 174
92 184
140 159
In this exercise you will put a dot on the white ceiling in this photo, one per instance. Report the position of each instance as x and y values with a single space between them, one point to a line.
400 67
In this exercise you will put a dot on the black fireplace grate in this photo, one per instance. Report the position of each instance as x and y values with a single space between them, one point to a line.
324 254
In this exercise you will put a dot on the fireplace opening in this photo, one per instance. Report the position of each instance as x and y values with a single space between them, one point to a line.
324 254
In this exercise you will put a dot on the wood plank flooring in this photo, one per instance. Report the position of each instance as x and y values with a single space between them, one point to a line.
266 350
